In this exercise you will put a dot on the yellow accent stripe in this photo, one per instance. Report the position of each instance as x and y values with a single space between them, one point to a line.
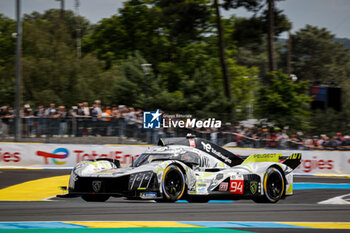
130 224
322 225
35 190
290 189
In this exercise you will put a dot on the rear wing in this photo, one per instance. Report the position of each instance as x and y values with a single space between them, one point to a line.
292 161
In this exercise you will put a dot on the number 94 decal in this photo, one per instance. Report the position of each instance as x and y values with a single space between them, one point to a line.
236 186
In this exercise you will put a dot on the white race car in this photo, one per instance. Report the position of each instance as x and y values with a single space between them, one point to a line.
188 168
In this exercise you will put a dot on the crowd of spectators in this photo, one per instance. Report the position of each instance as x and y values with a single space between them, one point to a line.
275 137
123 121
80 120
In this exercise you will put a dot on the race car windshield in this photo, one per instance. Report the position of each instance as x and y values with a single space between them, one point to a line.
146 158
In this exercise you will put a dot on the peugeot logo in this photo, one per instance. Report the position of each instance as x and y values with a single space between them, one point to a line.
96 185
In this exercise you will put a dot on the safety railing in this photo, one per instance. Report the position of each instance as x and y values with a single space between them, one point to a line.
123 127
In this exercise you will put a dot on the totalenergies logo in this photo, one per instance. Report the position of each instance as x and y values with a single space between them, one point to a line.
59 153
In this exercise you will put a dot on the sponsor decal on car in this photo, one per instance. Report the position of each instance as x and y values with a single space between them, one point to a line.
96 185
201 184
223 186
236 186
253 186
148 195
236 177
207 147
201 190
192 142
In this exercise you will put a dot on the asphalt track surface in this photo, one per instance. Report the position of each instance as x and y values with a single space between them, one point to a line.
302 207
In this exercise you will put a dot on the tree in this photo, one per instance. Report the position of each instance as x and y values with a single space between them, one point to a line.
316 57
7 59
284 102
137 27
252 4
51 70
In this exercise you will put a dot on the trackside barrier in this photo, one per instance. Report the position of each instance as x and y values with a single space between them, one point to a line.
65 156
313 162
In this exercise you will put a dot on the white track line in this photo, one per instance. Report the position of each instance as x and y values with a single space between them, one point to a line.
339 200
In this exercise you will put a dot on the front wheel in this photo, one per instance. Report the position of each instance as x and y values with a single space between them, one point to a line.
173 184
95 198
274 186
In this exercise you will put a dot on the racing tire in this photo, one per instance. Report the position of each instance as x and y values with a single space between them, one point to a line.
273 186
173 184
94 198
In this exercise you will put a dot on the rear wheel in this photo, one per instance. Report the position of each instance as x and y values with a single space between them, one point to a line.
173 184
274 186
95 198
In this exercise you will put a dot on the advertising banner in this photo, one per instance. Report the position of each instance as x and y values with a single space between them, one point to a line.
61 156
313 162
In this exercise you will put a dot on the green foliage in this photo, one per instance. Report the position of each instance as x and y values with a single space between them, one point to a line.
321 60
7 58
316 57
136 28
185 20
179 39
284 102
51 70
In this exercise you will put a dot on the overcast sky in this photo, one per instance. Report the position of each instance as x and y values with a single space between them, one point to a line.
331 14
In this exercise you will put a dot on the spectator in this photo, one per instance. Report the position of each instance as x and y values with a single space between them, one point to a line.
106 113
106 128
122 120
283 139
6 116
39 113
272 140
339 138
62 121
214 135
94 120
323 140
53 115
98 107
308 142
81 120
346 142
85 108
130 122
28 126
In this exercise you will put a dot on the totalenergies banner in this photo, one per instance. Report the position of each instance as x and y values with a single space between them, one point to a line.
313 162
32 155
63 156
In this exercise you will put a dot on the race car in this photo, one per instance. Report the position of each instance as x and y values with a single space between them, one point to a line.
188 168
